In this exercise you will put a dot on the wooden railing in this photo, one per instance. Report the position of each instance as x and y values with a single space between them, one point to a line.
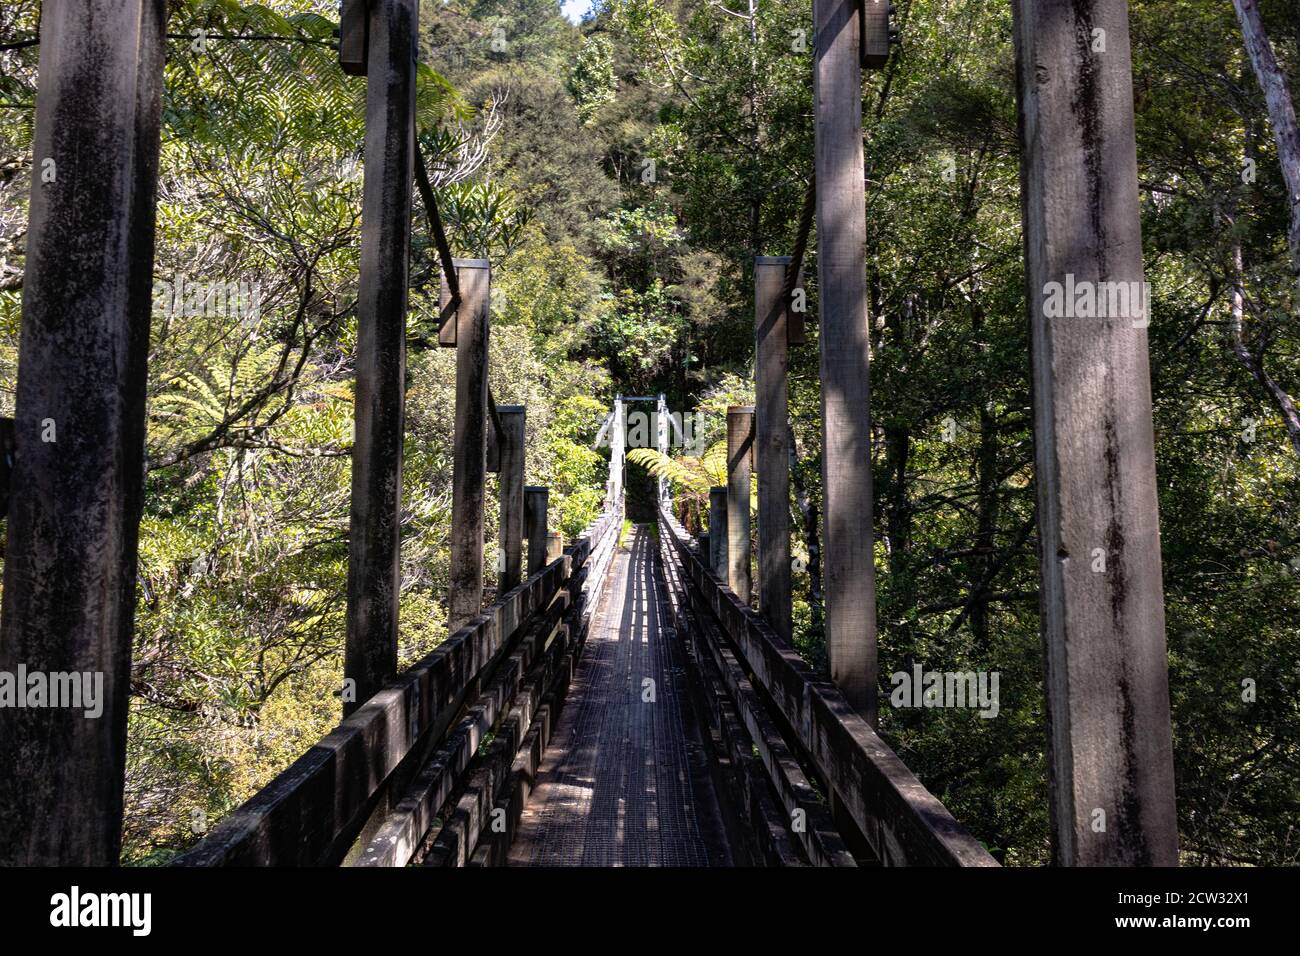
803 762
402 779
405 759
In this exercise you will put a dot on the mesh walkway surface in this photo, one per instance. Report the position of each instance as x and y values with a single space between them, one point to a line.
626 780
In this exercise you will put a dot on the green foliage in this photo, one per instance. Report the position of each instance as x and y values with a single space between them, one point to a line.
592 82
577 471
485 218
640 332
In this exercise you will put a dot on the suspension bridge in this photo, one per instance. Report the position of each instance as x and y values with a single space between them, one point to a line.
631 696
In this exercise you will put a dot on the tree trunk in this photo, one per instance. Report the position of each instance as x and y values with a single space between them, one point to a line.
1253 359
1281 113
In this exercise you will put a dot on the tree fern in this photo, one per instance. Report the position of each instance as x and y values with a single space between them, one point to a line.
692 476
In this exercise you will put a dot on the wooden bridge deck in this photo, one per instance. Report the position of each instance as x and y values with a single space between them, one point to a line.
626 781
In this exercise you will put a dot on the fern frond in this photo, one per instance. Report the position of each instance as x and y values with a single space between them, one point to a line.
684 472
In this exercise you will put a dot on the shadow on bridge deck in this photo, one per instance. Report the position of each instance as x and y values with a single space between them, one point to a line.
627 780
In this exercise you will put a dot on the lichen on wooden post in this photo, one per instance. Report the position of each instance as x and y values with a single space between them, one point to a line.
77 481
374 556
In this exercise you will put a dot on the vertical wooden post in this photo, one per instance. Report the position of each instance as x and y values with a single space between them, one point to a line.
511 480
617 446
740 459
74 512
374 565
772 441
554 546
536 503
1110 752
354 36
718 531
661 442
846 427
875 33
469 463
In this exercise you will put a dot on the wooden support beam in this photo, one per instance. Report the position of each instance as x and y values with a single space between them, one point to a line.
772 440
354 36
904 824
795 332
850 579
876 36
617 447
449 293
312 812
495 435
1110 752
536 503
662 443
718 531
554 546
740 461
70 559
374 576
447 308
7 446
511 483
470 453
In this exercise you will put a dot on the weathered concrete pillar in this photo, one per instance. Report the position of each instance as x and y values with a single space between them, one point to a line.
374 556
469 457
772 440
511 480
740 459
718 531
536 503
74 512
850 580
1110 751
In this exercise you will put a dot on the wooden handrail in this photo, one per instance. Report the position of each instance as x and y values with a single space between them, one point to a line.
314 810
511 696
902 821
